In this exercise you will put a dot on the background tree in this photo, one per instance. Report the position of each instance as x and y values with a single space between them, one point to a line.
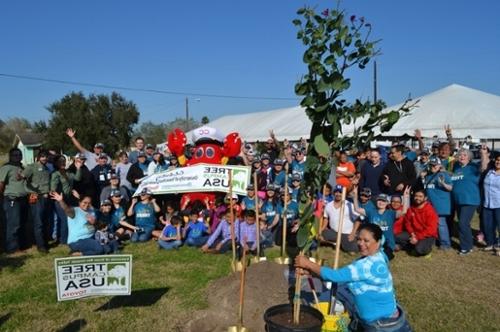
157 133
108 119
205 120
8 130
334 44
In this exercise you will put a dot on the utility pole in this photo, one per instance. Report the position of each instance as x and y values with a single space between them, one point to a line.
187 115
374 82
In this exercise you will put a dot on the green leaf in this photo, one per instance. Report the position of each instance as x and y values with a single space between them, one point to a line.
321 146
393 117
297 22
307 101
301 89
301 11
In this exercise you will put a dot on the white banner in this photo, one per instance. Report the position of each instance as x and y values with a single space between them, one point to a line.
197 178
78 277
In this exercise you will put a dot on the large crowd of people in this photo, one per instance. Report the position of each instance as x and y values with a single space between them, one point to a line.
419 198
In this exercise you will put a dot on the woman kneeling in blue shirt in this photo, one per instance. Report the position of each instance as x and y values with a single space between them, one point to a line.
365 286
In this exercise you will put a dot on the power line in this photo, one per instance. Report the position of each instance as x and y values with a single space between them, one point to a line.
115 87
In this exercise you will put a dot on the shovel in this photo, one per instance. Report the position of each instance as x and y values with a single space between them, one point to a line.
235 265
257 258
240 327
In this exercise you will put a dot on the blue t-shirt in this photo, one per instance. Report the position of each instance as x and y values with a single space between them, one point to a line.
169 231
78 227
295 194
298 168
466 184
439 197
386 223
116 216
367 206
144 215
292 211
370 281
195 230
269 209
278 179
249 202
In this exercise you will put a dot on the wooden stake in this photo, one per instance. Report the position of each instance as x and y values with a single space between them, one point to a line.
231 209
285 221
257 228
296 298
242 290
338 244
320 225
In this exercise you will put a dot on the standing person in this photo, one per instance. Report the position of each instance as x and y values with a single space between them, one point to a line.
62 183
438 187
114 184
422 163
330 228
272 146
491 202
345 170
139 147
277 174
383 217
137 171
157 164
421 226
371 173
466 196
150 150
447 160
145 218
81 220
13 192
365 287
122 169
92 157
398 173
37 177
101 173
85 186
298 164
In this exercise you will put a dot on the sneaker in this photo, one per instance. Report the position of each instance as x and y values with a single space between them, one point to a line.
488 248
76 253
464 252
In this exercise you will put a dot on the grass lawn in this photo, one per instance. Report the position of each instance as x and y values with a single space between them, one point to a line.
445 292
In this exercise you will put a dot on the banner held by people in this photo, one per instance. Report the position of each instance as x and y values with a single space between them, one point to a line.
197 178
78 277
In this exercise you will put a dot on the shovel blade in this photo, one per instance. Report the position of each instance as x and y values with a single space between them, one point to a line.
282 260
237 329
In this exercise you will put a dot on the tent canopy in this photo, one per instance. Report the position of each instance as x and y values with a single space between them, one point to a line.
467 111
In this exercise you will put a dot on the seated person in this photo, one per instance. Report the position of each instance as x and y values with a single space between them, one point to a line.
248 234
421 226
170 237
119 225
145 218
220 240
195 232
106 238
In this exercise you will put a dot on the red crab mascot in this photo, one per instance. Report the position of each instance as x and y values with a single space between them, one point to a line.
210 148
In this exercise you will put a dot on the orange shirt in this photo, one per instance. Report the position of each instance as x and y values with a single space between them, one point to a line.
344 181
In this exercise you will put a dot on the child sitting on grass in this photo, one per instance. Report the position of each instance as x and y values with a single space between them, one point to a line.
106 238
170 237
220 240
195 232
248 234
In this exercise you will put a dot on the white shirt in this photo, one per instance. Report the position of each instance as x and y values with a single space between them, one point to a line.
333 215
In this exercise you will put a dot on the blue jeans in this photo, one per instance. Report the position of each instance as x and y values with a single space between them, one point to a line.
444 234
142 236
87 247
40 214
396 324
168 245
196 242
62 224
15 209
491 223
111 247
465 214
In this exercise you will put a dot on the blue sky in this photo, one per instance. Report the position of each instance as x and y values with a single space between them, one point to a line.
237 48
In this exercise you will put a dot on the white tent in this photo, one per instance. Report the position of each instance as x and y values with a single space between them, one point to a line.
467 111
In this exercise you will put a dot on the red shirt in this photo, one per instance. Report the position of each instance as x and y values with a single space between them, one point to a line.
422 221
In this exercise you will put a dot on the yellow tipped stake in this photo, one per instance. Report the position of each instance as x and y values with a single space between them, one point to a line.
235 265
240 327
283 259
337 247
296 298
257 228
316 258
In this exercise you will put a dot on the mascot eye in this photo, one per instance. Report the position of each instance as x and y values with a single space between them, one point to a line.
199 153
210 152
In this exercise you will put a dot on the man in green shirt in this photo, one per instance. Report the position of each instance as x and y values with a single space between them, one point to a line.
13 192
37 176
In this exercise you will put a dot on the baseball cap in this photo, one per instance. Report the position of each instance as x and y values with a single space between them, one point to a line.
265 156
250 187
338 189
270 187
434 161
80 156
106 202
296 177
279 162
113 176
141 154
425 151
146 191
366 192
149 146
115 193
383 197
99 145
256 160
103 156
290 190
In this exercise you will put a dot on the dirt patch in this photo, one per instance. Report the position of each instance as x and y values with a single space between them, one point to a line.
266 286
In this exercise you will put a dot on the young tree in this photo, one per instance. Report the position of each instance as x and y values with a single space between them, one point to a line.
335 45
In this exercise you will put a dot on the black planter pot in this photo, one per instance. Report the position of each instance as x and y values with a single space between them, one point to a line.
282 308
